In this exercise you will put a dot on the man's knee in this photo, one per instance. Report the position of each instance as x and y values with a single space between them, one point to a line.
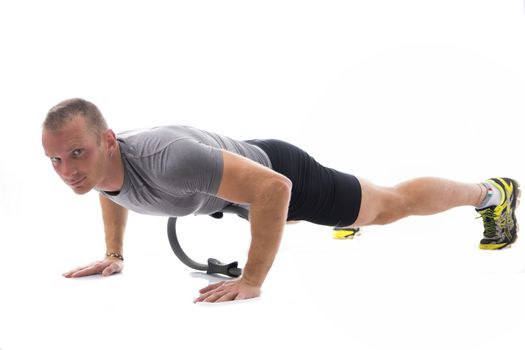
395 206
381 206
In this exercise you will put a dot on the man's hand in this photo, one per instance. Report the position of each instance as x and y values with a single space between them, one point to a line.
227 291
105 267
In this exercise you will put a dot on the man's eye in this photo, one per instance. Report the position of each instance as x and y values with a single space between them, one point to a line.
77 153
55 160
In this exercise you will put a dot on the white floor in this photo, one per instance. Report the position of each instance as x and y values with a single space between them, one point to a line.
417 284
385 90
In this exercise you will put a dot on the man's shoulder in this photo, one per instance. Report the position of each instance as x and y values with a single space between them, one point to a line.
159 132
147 142
162 154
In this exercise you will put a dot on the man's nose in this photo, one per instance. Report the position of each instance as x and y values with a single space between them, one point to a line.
67 170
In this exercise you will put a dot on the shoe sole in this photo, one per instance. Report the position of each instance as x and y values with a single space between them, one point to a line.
493 246
346 233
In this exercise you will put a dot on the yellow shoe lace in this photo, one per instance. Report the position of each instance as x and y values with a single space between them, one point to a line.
489 222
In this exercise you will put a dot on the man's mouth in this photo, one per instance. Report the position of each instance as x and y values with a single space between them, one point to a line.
77 183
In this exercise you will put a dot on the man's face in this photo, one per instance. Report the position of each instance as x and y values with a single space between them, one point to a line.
75 155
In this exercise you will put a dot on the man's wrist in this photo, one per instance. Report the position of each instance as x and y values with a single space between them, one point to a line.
115 255
250 279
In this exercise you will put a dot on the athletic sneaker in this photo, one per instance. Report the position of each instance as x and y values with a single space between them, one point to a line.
345 233
500 223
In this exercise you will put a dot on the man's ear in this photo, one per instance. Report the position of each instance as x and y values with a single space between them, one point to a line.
111 141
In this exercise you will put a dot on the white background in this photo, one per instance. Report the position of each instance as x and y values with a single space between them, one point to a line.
387 90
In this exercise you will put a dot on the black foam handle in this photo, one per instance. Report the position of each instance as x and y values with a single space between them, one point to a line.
231 269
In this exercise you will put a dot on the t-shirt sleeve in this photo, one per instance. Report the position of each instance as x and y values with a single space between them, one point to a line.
188 167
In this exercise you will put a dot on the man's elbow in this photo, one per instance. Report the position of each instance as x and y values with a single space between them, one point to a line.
281 187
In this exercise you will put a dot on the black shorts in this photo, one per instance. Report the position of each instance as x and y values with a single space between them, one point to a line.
320 195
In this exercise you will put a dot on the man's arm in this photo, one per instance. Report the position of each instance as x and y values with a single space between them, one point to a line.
114 217
268 194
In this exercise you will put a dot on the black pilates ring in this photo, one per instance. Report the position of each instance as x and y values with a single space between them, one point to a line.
213 266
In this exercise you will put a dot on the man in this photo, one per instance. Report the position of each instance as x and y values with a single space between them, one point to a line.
176 171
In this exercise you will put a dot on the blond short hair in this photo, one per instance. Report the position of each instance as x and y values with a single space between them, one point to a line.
66 110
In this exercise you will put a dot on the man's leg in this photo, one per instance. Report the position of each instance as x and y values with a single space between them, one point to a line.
421 196
495 200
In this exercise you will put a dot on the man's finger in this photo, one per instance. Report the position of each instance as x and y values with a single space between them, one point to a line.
215 296
71 272
90 270
201 297
205 296
111 269
85 272
228 297
108 271
211 287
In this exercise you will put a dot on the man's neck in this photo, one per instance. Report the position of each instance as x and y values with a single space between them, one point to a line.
114 179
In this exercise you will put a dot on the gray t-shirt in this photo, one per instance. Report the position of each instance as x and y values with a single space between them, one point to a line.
176 170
